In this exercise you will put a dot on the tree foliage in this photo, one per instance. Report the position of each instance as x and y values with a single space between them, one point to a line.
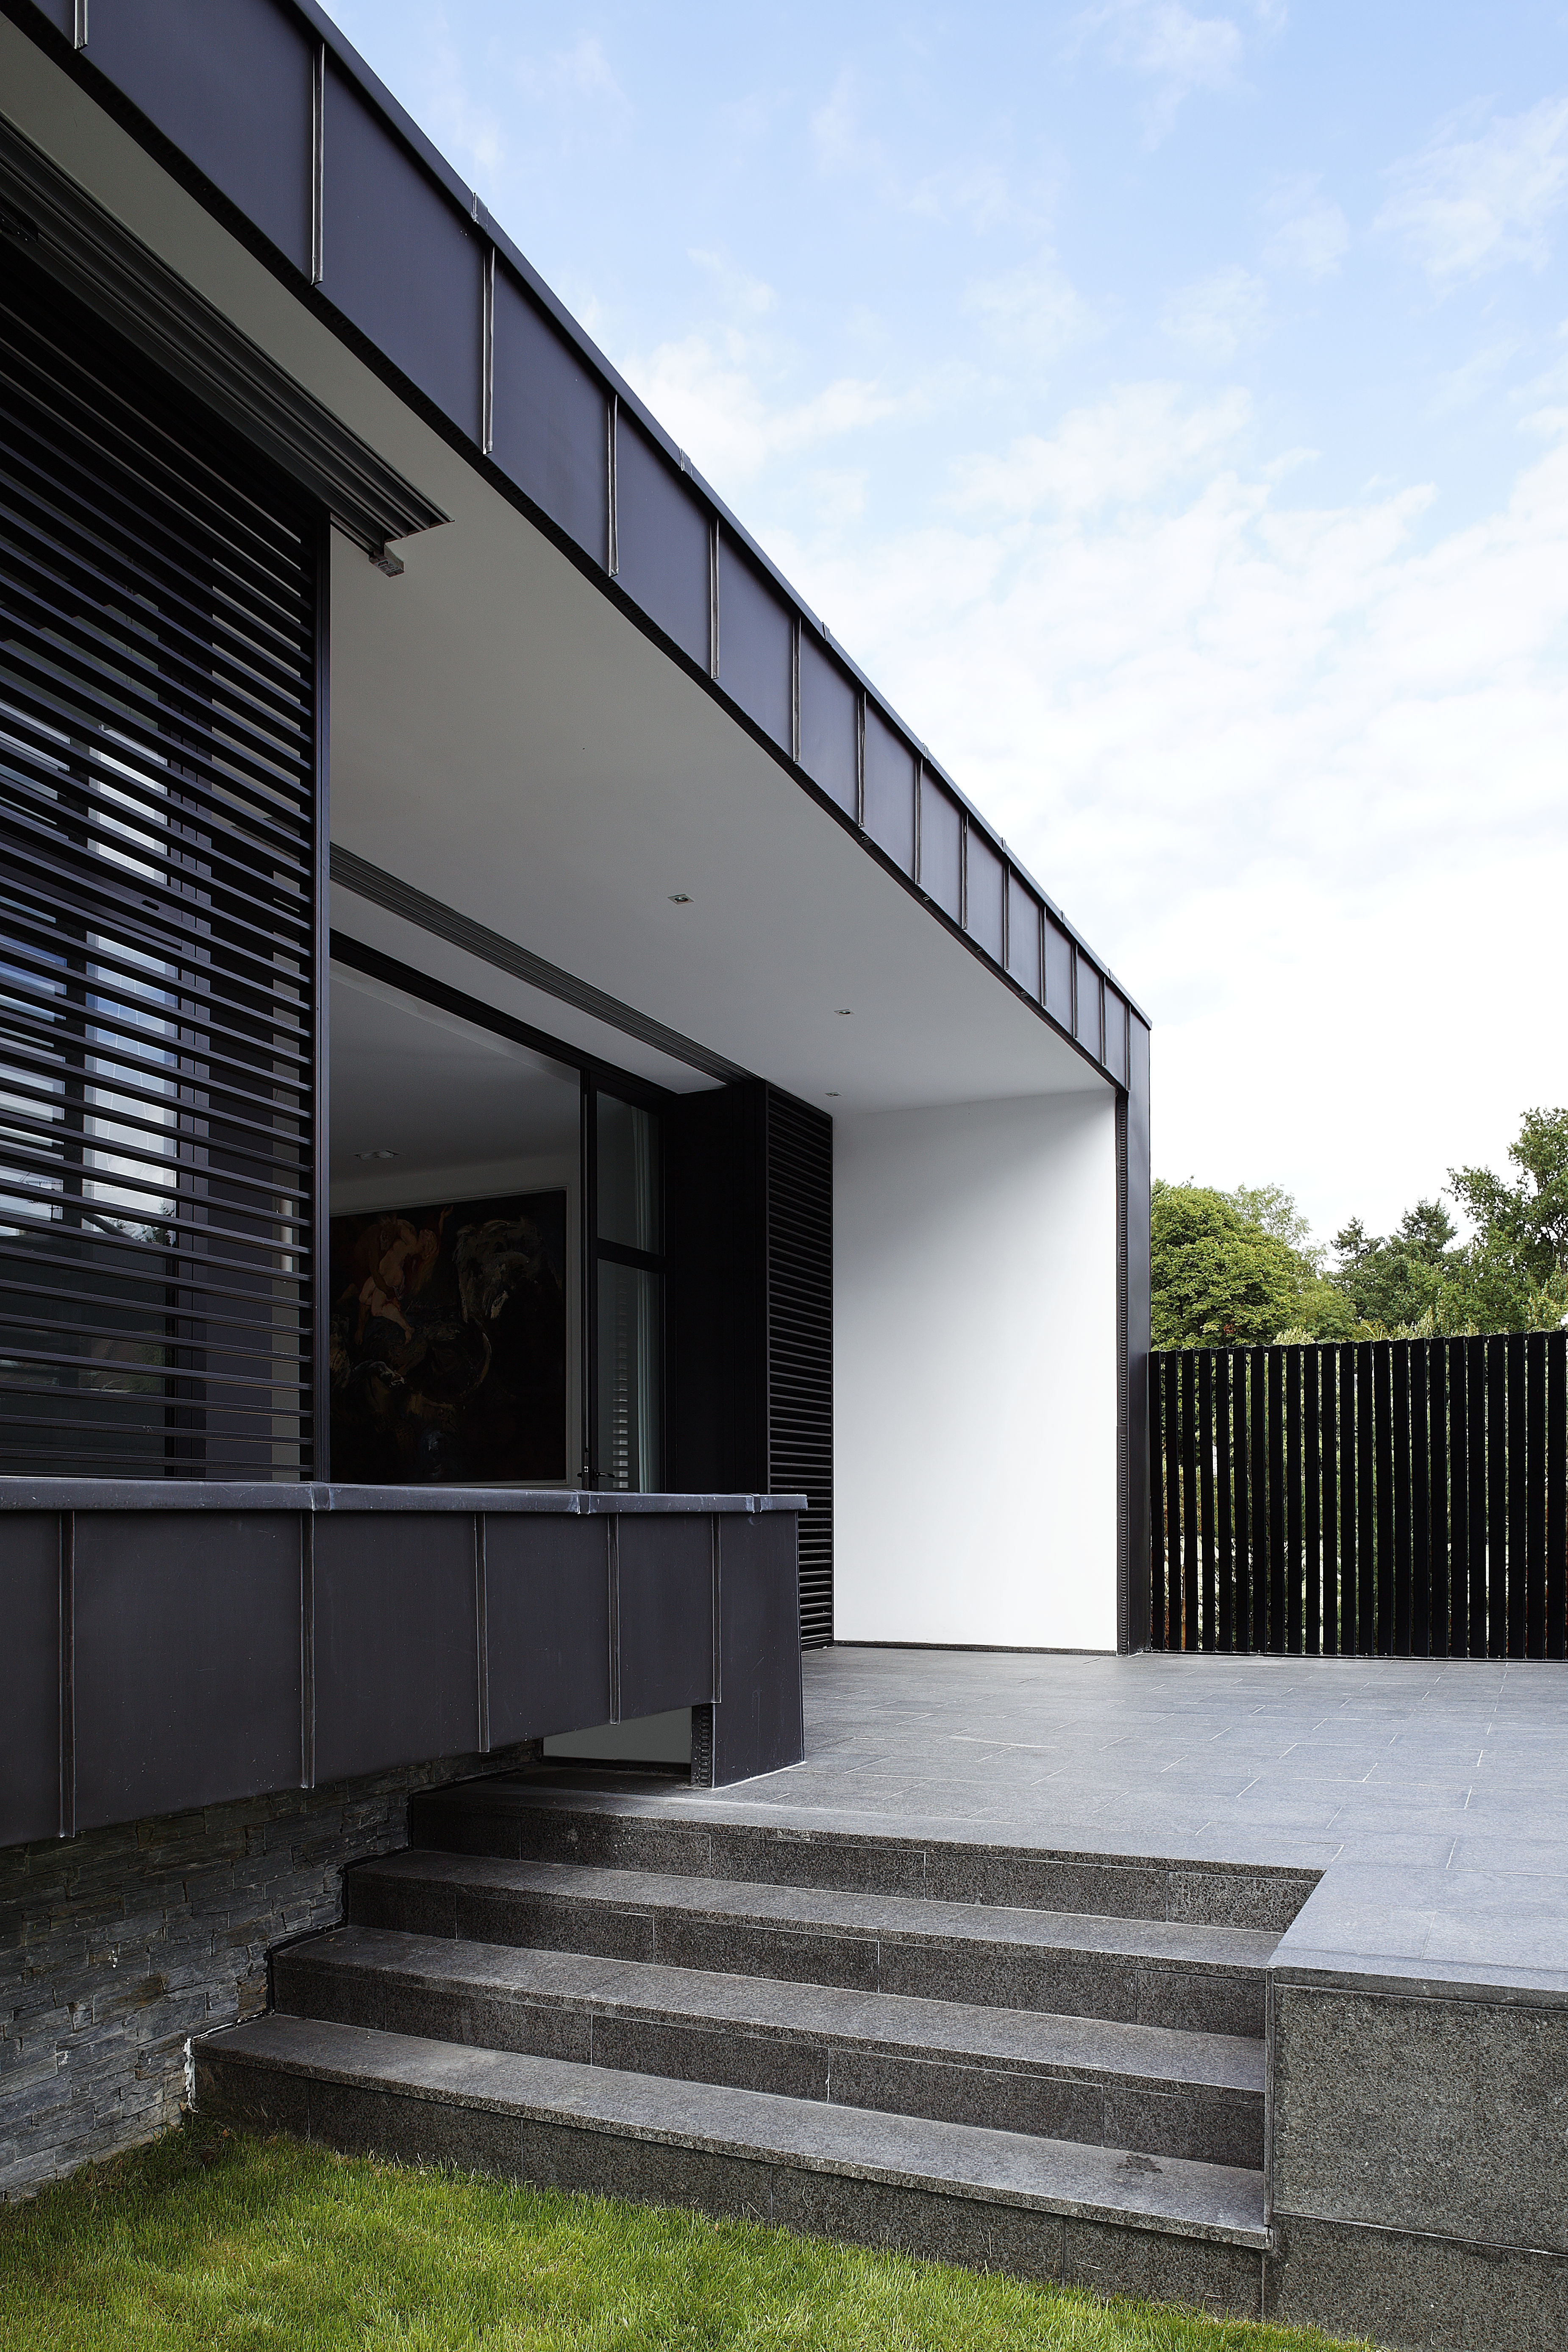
1395 1279
1223 1277
1233 1270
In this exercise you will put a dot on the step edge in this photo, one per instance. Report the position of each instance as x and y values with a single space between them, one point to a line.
404 1862
612 1806
308 1954
1256 2237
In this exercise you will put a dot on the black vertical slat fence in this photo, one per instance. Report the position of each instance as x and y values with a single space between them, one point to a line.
1396 1497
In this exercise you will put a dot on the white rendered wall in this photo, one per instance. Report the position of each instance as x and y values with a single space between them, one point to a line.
975 1374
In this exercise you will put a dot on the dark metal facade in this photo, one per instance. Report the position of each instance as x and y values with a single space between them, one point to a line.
173 1647
159 816
266 116
1381 1499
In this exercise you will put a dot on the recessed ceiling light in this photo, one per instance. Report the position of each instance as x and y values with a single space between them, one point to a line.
680 898
843 1011
375 1155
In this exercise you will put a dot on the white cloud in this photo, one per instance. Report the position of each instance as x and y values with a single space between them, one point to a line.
841 144
1299 773
581 71
1138 445
1033 312
1482 193
972 189
707 389
739 291
1309 232
1177 49
1218 314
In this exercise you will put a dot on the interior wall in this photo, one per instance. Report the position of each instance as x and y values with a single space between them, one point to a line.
975 1374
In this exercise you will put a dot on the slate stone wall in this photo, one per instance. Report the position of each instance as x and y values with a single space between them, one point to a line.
118 1945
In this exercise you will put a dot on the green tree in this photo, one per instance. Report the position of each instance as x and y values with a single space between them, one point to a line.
1394 1280
1523 1225
1226 1275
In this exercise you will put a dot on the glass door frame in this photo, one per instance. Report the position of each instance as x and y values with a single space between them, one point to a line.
594 1078
597 1080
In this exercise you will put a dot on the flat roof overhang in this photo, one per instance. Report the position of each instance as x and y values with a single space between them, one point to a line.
508 741
514 737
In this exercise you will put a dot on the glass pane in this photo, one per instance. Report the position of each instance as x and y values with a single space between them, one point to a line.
631 1354
629 1206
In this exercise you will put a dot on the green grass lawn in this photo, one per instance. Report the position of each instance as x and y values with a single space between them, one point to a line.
210 2239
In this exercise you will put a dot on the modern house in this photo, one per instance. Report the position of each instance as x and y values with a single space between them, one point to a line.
549 1156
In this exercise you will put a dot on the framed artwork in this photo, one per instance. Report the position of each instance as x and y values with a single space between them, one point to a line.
448 1343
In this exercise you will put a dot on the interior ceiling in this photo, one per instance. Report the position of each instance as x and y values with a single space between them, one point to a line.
434 1092
505 740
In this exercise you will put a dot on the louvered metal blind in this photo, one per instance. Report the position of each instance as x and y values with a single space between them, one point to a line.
157 919
800 1342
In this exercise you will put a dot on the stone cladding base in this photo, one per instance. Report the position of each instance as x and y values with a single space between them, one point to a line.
117 1946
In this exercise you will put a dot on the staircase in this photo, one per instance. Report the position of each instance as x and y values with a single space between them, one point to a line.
1048 2063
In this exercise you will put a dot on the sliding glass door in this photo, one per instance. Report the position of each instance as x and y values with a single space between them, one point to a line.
626 1303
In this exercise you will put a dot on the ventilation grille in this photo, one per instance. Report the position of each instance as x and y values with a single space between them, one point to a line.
157 919
800 1342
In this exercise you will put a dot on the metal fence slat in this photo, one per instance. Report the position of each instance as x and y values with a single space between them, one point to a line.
1556 1483
1331 1412
1516 1442
1174 1502
1312 1508
1400 1497
1189 1503
1276 1634
1420 1502
1496 1499
1205 1495
1292 1498
1350 1504
1241 1623
1458 1354
1159 1524
1371 1567
1437 1494
1536 1472
1226 1631
1381 1642
1476 1386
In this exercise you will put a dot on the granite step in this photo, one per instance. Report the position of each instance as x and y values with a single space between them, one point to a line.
1111 2219
1194 2096
1136 1971
540 1816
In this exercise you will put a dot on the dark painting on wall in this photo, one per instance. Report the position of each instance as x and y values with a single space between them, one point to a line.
448 1343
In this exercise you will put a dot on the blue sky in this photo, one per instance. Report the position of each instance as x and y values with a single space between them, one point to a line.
1168 406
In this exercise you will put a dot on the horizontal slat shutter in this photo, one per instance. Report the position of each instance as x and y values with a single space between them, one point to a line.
800 1342
157 919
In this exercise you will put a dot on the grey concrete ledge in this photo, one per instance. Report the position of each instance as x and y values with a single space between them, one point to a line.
1448 1982
279 1494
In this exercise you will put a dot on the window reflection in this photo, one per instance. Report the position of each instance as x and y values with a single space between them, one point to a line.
629 1205
631 1356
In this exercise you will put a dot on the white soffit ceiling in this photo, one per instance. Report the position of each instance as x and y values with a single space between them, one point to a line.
505 740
